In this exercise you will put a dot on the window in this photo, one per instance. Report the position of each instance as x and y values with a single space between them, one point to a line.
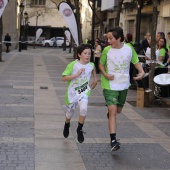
38 2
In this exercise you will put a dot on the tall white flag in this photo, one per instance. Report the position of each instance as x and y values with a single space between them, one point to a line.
38 33
70 19
3 4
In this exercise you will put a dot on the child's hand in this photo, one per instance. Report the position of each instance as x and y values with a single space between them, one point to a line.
80 71
139 76
109 77
93 85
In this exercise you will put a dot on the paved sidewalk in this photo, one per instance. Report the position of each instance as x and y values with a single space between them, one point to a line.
32 111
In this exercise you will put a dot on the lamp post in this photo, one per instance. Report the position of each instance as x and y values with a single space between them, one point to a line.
21 7
26 17
37 15
138 21
92 33
64 44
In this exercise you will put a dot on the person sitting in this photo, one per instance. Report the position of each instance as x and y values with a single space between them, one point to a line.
144 44
160 56
148 51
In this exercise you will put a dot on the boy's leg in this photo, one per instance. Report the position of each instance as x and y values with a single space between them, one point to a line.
82 116
112 127
69 114
117 109
111 98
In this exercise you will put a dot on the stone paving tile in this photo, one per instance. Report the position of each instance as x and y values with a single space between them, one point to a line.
26 78
16 91
16 129
164 127
23 83
130 156
18 73
16 100
100 130
153 113
18 156
13 111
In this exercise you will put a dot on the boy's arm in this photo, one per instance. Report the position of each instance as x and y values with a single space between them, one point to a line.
106 75
141 73
73 76
93 85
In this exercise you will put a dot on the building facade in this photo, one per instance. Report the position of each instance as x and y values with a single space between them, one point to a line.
10 23
45 15
128 16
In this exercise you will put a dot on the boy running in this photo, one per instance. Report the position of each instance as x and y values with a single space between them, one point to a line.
114 65
77 74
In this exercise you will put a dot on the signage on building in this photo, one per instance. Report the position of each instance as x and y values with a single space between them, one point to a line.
108 4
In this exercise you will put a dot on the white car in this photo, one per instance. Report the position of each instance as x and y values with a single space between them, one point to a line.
55 41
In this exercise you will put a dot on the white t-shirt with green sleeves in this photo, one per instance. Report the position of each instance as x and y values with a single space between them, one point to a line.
79 86
117 63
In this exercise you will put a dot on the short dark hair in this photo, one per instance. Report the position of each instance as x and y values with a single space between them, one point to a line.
162 34
129 37
168 33
117 32
81 48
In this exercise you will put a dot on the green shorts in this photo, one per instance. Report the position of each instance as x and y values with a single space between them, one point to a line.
113 97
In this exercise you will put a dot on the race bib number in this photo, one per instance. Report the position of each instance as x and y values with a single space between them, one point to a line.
82 89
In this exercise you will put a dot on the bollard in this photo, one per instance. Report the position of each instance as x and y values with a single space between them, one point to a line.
142 98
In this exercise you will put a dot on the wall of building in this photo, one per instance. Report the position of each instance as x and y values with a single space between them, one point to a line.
9 19
86 19
47 15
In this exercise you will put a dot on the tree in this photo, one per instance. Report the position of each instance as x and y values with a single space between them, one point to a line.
153 55
1 31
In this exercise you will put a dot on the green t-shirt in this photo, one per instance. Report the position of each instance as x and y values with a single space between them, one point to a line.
162 53
117 63
79 86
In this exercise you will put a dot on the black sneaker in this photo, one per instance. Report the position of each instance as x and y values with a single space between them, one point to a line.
115 145
80 136
66 130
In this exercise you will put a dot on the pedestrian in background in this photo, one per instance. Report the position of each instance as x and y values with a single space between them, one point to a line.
7 40
77 74
115 81
104 42
97 54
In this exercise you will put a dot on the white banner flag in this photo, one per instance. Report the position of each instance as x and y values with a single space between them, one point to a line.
70 19
3 4
38 33
67 33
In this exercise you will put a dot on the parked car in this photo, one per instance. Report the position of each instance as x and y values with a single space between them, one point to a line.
55 41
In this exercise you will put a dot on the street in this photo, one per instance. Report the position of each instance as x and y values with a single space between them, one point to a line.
32 111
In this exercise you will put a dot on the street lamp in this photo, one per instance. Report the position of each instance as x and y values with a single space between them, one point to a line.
21 7
138 21
26 17
64 44
92 31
